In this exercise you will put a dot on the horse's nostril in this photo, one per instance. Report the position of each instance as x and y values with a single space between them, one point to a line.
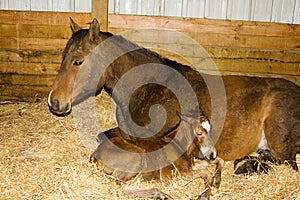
54 104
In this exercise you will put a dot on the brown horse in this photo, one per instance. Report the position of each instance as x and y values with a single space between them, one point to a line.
124 160
254 105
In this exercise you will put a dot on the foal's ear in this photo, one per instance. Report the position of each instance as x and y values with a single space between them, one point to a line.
183 117
94 30
74 27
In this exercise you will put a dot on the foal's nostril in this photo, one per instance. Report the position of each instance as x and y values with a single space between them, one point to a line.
212 155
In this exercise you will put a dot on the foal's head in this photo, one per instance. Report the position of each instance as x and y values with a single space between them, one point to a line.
202 143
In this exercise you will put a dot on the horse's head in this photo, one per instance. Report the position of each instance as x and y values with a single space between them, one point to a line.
82 42
202 144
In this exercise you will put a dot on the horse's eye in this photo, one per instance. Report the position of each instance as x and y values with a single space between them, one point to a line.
77 62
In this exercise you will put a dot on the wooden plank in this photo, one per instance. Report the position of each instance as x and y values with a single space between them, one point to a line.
203 25
30 56
100 12
23 93
43 18
33 43
29 68
220 52
216 39
26 80
35 31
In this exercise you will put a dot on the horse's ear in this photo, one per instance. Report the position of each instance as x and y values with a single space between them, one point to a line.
94 30
74 27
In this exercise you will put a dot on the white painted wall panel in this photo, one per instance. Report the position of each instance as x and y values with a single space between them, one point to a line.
128 7
216 9
173 8
4 4
147 7
19 5
41 5
296 19
261 10
239 9
195 8
63 6
83 6
283 11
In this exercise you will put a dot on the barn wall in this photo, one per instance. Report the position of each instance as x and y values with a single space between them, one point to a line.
31 45
283 11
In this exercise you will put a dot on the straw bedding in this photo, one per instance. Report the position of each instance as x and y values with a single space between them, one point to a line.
42 157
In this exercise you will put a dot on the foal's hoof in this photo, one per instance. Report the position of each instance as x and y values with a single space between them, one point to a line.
205 195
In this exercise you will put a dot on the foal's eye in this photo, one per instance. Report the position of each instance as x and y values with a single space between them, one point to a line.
77 62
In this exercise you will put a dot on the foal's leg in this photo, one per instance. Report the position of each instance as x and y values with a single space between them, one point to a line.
111 133
207 176
219 162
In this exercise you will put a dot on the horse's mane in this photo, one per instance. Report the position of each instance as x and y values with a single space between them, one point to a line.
174 64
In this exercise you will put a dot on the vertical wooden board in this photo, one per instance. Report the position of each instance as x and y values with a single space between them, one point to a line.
195 8
147 7
3 4
83 6
261 10
216 9
283 11
139 7
296 19
128 6
63 6
173 8
239 9
19 5
40 5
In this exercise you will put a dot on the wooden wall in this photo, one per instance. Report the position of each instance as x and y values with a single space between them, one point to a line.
31 45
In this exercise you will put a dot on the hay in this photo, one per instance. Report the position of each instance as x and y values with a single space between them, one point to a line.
42 157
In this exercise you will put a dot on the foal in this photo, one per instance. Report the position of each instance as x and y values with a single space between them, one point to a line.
125 159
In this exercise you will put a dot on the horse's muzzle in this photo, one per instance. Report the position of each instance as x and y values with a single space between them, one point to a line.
58 108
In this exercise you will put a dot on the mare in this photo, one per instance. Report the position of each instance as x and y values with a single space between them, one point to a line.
124 160
254 104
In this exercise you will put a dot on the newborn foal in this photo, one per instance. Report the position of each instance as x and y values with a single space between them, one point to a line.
156 158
